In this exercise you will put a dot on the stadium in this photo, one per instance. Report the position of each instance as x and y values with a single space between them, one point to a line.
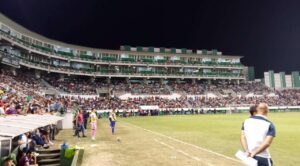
66 104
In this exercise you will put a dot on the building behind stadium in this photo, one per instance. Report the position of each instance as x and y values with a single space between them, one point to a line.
281 80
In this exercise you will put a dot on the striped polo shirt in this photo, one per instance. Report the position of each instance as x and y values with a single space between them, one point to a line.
256 129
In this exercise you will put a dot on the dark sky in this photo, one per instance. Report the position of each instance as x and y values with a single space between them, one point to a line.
266 33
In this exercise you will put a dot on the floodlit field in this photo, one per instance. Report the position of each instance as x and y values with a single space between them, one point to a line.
184 140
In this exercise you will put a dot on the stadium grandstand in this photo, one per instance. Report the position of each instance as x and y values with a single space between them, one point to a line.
37 52
132 76
42 76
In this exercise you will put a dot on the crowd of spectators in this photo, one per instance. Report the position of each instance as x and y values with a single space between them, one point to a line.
222 88
87 86
72 85
153 89
19 96
104 103
243 101
227 94
27 144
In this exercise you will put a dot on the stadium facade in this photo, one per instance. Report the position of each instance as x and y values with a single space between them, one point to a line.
21 47
281 80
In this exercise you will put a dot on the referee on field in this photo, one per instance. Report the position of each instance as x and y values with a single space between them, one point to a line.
257 135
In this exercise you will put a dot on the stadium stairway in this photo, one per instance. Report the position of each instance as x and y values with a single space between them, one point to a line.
243 93
233 93
188 104
48 157
218 94
119 93
50 87
46 84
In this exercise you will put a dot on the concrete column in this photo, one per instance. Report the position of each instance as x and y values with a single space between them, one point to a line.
61 76
37 74
209 81
108 80
127 80
193 81
13 70
145 81
161 80
92 79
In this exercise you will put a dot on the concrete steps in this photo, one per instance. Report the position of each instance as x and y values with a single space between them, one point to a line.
50 165
48 157
51 155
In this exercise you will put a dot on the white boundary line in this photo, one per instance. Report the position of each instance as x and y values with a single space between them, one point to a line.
182 152
195 146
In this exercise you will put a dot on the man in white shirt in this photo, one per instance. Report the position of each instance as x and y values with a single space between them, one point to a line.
257 135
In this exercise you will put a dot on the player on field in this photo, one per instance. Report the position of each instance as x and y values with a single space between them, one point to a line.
112 119
257 135
93 120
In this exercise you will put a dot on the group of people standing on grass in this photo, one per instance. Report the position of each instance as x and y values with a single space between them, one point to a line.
83 117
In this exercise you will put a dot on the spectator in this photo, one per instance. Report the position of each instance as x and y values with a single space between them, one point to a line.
86 116
23 142
2 112
28 159
80 123
9 161
39 140
11 110
46 131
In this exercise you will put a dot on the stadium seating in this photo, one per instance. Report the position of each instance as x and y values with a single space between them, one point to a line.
193 95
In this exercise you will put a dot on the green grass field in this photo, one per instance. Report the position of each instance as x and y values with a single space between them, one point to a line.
218 133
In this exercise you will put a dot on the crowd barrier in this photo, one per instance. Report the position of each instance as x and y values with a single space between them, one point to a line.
230 108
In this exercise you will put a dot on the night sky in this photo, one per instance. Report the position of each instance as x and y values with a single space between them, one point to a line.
266 33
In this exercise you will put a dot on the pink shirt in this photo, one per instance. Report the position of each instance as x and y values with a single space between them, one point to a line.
80 118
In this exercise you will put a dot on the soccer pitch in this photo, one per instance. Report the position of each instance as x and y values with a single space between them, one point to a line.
184 140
